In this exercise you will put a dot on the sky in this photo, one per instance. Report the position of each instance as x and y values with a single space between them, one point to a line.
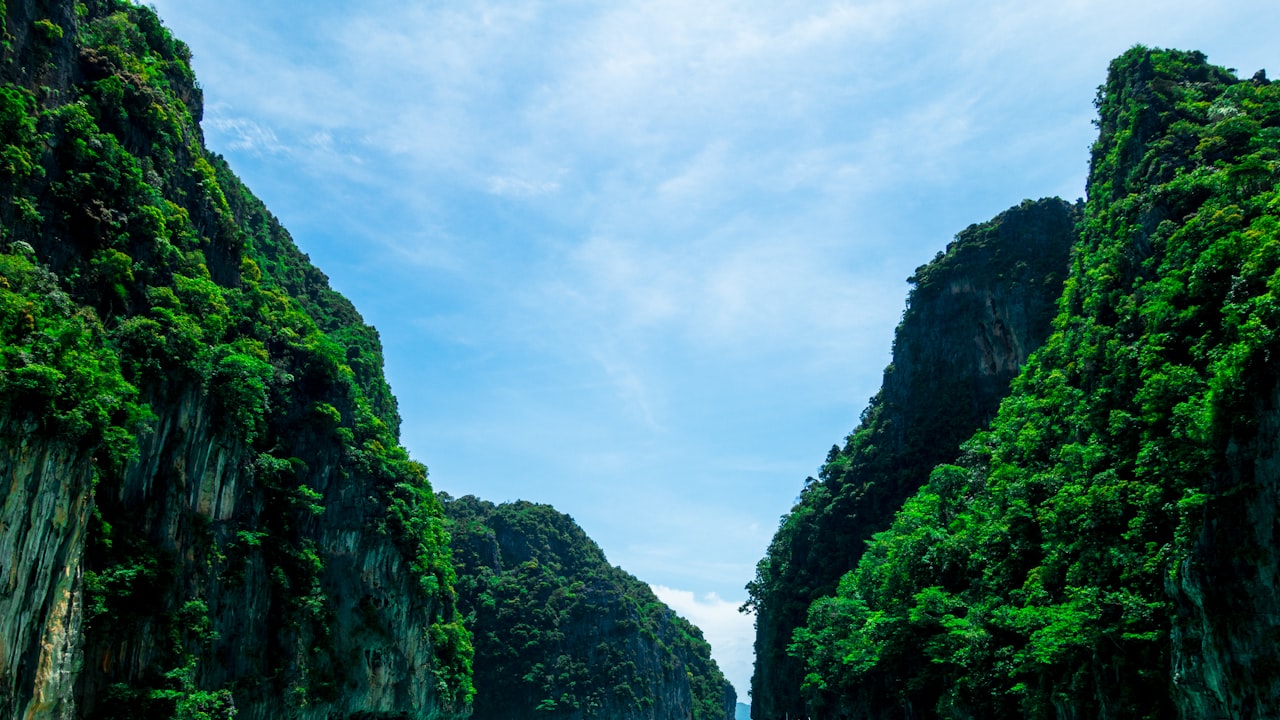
642 259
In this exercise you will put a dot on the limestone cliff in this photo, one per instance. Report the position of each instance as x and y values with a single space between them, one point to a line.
973 316
562 634
42 532
1106 547
206 511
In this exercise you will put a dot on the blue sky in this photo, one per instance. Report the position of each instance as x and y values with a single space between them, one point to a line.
642 260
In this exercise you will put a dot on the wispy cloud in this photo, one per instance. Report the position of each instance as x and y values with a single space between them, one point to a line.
243 134
521 188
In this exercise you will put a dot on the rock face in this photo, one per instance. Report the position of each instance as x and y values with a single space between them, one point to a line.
1224 652
42 529
559 633
318 619
974 315
206 511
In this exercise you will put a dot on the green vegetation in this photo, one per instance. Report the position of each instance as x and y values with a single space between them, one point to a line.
560 633
972 316
57 376
139 275
1046 574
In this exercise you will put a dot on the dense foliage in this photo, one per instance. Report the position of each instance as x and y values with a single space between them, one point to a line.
1047 574
139 272
972 316
560 633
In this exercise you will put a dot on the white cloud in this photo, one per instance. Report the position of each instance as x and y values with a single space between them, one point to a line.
699 179
731 291
730 632
244 134
633 389
521 188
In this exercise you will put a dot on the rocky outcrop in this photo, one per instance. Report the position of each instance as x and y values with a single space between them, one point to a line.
974 315
206 510
562 634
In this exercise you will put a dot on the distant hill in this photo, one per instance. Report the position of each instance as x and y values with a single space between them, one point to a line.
561 634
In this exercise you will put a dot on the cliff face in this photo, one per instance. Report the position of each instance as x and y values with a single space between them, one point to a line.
1223 649
206 511
974 315
560 633
306 613
42 528
1106 548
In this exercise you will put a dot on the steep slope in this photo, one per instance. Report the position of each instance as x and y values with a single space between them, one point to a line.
562 634
973 316
1107 549
206 510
